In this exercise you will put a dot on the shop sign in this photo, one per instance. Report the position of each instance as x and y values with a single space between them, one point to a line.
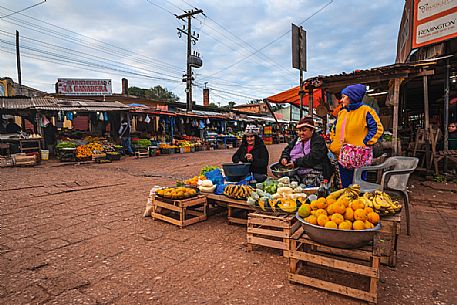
77 86
434 21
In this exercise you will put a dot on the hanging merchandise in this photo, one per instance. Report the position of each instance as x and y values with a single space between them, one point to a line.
187 121
60 116
101 117
207 121
201 124
147 120
44 121
69 116
106 116
140 118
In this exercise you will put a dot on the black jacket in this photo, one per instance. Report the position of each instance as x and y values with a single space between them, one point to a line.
317 158
260 156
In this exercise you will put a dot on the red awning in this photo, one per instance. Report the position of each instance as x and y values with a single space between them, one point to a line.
291 96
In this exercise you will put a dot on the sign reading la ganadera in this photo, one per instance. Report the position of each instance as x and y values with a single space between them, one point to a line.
78 86
434 21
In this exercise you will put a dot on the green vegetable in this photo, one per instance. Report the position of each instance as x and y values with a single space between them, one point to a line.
207 169
66 144
142 142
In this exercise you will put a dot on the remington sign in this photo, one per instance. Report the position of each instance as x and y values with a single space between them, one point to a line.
77 86
434 21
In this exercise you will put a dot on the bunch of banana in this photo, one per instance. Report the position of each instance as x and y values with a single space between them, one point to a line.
238 191
384 205
367 199
351 193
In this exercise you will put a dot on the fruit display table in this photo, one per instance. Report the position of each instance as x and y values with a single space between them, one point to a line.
271 231
237 209
341 271
185 210
390 229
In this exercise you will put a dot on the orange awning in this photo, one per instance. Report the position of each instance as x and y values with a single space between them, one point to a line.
291 96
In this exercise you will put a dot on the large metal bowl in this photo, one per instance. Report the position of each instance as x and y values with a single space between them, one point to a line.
346 239
282 173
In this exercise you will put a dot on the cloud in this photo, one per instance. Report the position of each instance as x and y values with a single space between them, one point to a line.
142 38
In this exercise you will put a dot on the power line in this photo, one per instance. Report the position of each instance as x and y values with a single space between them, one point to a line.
270 43
117 49
24 9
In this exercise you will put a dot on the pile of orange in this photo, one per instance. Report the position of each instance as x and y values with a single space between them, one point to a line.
340 214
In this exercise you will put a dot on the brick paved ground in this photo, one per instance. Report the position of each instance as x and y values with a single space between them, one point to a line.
76 235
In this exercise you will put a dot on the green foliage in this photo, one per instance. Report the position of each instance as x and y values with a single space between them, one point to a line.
207 169
142 143
66 144
156 93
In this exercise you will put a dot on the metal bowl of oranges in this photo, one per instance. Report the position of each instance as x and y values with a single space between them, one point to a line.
346 239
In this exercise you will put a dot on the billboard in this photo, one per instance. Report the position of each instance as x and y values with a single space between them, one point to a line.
78 86
434 21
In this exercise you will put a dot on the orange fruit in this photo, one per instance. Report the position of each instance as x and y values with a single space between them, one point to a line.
368 225
344 201
357 204
320 211
339 208
311 219
330 209
349 214
330 201
321 203
360 214
345 225
358 225
313 205
368 210
331 224
322 219
337 218
373 217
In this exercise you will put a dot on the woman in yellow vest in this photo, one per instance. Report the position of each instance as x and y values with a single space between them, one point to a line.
357 124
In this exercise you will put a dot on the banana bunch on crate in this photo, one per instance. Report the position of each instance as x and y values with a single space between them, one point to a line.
381 203
238 191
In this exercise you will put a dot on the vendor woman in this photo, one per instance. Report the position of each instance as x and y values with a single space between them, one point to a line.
254 151
308 154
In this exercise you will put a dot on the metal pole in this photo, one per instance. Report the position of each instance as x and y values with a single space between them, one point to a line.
395 119
301 92
18 63
311 101
189 68
446 112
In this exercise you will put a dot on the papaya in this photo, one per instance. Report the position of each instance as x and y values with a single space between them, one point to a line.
288 206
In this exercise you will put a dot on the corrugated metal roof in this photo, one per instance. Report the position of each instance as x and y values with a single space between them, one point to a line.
52 104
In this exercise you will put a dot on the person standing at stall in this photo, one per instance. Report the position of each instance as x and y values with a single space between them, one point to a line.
12 127
124 134
253 150
356 130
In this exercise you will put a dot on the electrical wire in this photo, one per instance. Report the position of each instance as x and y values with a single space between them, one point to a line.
270 43
24 9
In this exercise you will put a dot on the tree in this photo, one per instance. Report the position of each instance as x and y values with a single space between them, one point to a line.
231 105
156 93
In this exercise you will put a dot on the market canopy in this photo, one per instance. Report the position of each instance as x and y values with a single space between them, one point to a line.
292 96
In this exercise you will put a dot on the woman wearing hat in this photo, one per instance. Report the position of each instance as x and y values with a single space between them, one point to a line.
356 130
308 153
253 150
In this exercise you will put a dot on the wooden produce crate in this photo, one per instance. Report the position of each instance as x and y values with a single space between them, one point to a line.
180 212
334 269
271 231
24 160
142 153
237 209
388 239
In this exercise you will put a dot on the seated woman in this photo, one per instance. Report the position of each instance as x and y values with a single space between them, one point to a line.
308 153
253 150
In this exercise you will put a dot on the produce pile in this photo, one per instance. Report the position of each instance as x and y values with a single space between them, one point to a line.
144 143
176 192
278 195
207 169
238 191
342 209
194 180
66 144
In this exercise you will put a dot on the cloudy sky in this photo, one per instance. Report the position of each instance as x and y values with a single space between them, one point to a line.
245 44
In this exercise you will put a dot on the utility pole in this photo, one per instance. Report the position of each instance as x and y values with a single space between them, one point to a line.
18 63
191 39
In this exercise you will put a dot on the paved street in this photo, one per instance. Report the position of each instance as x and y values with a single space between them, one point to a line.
77 235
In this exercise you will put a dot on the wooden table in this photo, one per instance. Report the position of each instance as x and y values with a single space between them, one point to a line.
233 207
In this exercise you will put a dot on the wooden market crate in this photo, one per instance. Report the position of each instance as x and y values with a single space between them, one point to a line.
182 212
334 269
271 231
388 239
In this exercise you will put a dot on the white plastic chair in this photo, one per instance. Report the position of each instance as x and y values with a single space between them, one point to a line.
394 179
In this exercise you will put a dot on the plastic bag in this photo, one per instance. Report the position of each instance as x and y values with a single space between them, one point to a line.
220 189
215 176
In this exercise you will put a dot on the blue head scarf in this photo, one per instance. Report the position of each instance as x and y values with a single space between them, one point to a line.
355 94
